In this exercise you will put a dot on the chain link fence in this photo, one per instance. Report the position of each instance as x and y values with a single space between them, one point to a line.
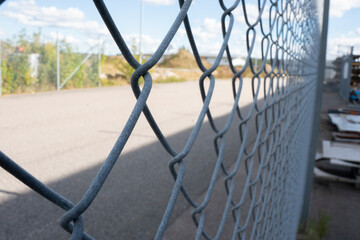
277 163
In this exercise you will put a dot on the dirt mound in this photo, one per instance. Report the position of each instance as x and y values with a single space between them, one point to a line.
111 65
182 59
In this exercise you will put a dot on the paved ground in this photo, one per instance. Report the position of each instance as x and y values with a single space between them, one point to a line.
62 138
340 201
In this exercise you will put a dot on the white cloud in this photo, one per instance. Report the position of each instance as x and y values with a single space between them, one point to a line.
93 41
356 32
339 7
181 31
210 49
73 40
148 43
28 13
210 29
209 38
252 12
341 45
68 38
160 2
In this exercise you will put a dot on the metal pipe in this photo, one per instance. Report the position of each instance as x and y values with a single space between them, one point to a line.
57 63
99 62
140 30
316 114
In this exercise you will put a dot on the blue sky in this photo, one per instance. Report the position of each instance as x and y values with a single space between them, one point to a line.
80 24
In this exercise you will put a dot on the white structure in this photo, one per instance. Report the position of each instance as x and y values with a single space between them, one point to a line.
34 62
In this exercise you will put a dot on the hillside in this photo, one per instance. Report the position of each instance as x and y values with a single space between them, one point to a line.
182 59
174 68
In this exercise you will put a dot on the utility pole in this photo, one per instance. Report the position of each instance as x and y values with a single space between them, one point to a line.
0 69
140 30
99 62
57 63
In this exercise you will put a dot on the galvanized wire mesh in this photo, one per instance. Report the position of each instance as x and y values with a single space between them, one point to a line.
269 203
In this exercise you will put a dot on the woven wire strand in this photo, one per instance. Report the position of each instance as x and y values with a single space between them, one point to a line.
288 34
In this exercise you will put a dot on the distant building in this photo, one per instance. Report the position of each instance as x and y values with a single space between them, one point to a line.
20 49
34 62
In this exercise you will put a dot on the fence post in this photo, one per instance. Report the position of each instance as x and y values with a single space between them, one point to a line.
316 114
140 29
99 61
57 63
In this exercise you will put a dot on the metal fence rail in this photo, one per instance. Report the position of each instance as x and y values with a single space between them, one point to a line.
276 163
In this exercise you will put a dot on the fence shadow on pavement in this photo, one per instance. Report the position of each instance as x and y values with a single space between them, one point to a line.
133 199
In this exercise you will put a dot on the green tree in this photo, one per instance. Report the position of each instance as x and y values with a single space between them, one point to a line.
17 76
69 61
47 68
125 68
91 72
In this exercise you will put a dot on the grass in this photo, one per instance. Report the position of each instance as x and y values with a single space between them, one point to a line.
123 82
315 230
170 80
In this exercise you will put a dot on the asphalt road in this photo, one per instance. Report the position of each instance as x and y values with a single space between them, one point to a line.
63 137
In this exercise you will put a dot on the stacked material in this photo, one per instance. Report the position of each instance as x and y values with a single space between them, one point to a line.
340 159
